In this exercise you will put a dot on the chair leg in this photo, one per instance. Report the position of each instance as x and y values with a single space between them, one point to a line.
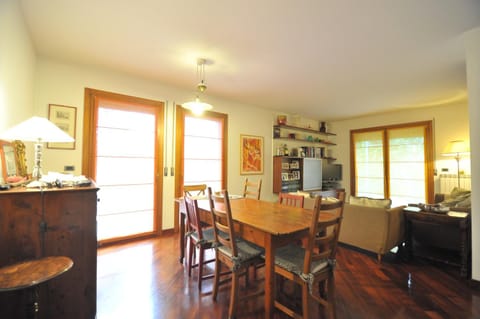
191 247
233 295
305 301
331 297
216 278
201 254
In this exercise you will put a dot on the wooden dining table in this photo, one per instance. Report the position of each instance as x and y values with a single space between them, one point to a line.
267 224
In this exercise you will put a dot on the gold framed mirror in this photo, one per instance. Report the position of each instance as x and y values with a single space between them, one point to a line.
12 161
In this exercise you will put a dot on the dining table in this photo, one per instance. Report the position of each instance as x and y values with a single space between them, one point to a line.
267 224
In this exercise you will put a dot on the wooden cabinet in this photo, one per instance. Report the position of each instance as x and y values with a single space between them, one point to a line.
291 174
440 237
286 174
52 222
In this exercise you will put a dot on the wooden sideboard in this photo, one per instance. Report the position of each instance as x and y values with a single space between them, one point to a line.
439 237
52 222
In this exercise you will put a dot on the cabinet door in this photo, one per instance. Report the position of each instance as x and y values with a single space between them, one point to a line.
70 218
20 217
277 174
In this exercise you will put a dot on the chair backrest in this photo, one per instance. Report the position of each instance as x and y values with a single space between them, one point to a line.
222 220
195 190
323 235
291 199
252 189
193 218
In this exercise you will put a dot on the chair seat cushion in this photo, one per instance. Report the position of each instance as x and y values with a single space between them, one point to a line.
207 239
291 258
246 252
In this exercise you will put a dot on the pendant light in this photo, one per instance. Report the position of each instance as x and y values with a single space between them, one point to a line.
197 106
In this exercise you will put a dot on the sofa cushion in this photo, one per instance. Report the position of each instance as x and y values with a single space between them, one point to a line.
459 198
370 202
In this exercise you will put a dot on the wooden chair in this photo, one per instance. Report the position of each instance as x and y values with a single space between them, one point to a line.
314 265
291 199
195 190
237 254
198 237
252 189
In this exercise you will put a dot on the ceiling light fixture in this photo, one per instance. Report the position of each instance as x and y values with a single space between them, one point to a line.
197 106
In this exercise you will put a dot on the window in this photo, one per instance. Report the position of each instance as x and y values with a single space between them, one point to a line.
393 162
202 152
201 149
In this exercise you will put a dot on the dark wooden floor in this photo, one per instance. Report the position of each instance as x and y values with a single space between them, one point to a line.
145 280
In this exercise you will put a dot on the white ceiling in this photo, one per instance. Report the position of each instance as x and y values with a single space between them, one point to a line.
326 59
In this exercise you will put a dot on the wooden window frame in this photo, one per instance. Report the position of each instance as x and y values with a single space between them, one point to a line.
429 156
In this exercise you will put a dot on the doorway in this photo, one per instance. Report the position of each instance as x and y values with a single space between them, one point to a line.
122 141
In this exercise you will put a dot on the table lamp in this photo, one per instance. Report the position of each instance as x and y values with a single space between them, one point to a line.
39 130
456 149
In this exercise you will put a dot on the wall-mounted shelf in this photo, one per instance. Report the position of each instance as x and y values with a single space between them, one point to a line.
304 129
309 139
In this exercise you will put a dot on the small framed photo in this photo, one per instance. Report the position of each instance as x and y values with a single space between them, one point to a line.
296 175
295 165
251 155
65 117
285 166
284 176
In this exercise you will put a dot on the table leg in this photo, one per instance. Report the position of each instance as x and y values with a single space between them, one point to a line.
181 224
269 276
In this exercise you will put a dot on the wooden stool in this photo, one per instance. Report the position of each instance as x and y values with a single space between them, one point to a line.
29 274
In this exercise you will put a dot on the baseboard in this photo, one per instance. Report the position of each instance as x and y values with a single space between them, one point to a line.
475 284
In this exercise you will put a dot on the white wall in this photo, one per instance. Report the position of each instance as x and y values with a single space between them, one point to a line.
17 66
451 122
64 83
472 44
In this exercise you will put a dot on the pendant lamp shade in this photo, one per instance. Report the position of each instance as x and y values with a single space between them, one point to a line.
198 107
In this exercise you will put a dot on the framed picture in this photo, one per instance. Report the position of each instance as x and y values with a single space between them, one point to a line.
251 155
295 165
8 161
65 117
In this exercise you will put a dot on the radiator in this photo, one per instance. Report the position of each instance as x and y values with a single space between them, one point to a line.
449 181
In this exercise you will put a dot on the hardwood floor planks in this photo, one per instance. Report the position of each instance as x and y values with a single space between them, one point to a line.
145 280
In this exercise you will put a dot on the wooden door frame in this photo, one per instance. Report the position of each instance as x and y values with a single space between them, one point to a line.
91 100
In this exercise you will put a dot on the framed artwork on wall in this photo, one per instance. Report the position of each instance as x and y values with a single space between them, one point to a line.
65 117
251 155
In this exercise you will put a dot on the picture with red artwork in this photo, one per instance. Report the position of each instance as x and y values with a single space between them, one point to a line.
251 155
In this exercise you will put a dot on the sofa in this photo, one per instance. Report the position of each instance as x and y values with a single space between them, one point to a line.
371 225
457 200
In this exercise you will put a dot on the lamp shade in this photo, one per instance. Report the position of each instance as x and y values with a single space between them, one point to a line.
197 106
456 148
36 129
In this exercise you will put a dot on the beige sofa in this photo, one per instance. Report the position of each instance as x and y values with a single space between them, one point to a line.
375 229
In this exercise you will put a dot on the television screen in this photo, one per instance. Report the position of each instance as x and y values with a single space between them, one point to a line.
331 172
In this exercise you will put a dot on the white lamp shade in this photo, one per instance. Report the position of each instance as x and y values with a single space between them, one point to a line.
455 148
197 107
36 129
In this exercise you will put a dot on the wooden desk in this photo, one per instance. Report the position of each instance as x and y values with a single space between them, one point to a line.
269 225
439 237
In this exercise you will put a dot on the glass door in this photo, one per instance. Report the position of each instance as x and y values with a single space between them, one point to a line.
125 167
